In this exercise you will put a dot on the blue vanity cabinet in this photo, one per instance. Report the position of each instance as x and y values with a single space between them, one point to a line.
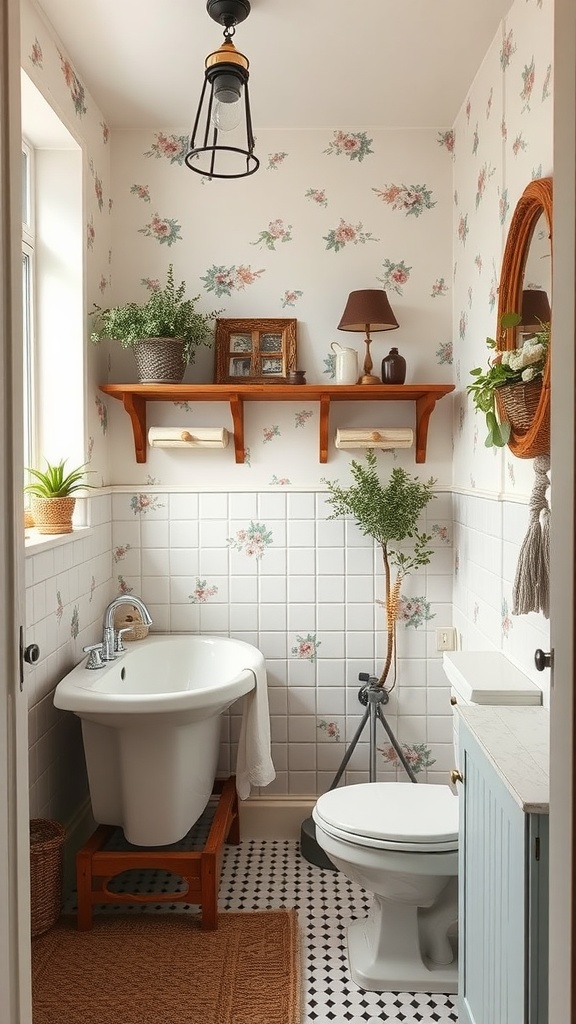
503 898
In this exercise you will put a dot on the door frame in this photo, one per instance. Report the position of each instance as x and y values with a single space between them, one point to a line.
14 800
562 950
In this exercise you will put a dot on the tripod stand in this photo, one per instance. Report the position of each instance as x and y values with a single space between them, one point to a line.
372 697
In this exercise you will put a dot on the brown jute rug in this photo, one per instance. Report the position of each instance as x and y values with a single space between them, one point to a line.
162 969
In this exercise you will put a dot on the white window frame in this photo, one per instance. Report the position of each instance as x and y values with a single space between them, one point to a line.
28 302
52 174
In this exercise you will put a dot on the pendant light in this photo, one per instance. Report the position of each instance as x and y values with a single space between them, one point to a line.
222 142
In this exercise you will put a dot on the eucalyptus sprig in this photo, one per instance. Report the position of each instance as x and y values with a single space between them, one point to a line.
53 483
388 513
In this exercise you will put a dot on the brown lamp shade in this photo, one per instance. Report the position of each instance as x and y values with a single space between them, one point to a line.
535 308
368 310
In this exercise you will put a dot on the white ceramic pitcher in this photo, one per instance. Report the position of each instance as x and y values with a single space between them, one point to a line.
346 364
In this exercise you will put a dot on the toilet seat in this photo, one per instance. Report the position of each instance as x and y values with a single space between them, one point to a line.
391 816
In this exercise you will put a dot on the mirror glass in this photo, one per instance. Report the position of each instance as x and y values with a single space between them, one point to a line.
538 268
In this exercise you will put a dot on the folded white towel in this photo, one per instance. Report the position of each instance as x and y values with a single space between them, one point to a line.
254 761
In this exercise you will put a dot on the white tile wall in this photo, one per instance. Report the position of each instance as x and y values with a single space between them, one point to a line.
316 582
317 578
67 589
488 534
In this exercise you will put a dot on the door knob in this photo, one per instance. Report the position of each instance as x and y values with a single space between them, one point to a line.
542 659
32 654
456 776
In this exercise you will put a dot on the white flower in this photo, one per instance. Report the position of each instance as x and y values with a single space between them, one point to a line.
529 374
528 355
515 360
533 353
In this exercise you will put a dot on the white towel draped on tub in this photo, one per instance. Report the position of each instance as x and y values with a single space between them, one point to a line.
254 762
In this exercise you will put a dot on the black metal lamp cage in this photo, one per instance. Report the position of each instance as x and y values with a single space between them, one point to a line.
224 107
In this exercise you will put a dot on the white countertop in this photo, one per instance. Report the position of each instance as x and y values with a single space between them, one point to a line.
516 742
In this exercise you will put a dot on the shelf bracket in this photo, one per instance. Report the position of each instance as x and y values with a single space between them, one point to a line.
324 426
237 410
135 406
424 408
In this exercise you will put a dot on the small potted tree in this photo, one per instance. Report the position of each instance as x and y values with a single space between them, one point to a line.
164 332
53 496
389 513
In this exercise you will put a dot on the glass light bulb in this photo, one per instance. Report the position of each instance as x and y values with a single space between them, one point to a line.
226 116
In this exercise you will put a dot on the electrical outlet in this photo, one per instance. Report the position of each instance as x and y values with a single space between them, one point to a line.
446 638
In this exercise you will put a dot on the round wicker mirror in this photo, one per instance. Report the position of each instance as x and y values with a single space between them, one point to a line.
533 438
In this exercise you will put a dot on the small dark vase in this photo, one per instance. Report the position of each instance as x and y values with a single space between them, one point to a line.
296 377
393 368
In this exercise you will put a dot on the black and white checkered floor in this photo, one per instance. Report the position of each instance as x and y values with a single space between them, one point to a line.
270 874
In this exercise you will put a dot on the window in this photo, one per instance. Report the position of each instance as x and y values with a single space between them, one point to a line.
52 286
28 304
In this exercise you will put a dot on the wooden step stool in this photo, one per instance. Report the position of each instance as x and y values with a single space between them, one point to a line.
200 869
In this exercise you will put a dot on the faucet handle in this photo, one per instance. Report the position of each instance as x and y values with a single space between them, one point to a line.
118 644
94 652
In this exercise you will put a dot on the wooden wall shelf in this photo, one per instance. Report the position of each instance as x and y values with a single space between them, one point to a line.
136 396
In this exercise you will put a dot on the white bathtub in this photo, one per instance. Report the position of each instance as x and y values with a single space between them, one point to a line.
151 729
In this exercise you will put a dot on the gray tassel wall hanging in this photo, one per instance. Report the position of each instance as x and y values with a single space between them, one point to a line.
531 590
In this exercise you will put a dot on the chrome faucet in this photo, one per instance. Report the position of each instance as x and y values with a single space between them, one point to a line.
109 635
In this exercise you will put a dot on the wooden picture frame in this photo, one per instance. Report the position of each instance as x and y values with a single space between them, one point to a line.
252 351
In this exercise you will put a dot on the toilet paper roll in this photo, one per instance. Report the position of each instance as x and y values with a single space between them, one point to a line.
375 437
187 437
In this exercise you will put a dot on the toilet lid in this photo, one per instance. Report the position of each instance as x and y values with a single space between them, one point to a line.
394 812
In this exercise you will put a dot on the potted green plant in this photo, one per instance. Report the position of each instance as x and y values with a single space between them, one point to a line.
52 496
389 513
514 379
164 331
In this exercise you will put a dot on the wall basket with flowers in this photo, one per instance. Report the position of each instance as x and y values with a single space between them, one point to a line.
509 391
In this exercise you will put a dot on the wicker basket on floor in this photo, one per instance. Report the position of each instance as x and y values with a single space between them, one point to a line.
46 869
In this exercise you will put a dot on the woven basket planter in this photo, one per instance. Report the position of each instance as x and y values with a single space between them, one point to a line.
519 402
159 360
52 515
130 619
523 406
46 869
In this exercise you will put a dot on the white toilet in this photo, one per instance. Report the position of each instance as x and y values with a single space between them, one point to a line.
400 842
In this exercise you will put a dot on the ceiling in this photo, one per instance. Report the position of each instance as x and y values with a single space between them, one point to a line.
313 63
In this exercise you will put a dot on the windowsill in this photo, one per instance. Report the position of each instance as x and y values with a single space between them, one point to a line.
34 541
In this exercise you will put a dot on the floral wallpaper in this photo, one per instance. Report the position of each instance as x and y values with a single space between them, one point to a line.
502 140
329 212
53 73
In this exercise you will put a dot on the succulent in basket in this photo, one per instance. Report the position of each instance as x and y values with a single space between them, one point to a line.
54 483
517 366
52 495
164 331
